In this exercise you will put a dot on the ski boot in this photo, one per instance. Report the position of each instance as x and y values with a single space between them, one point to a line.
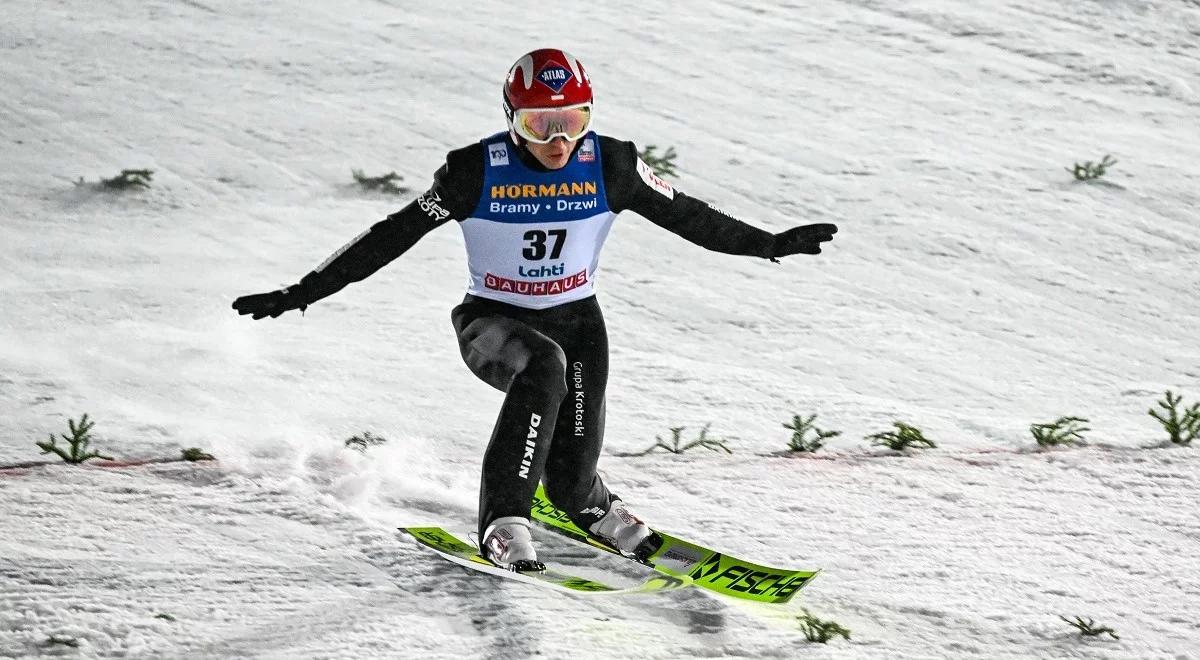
624 531
507 544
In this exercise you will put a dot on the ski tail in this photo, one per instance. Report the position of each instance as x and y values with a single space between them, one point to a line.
705 567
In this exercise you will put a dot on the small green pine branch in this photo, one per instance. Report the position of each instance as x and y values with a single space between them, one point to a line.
196 454
677 445
1062 431
904 437
125 180
1089 629
360 443
1088 170
801 428
816 630
386 183
663 165
78 442
62 640
1181 429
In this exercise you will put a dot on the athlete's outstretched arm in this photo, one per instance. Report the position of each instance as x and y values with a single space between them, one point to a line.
382 243
631 184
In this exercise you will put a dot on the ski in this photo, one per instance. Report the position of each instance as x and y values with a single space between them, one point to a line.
707 568
465 554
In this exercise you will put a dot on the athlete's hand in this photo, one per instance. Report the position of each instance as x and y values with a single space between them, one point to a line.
806 239
272 304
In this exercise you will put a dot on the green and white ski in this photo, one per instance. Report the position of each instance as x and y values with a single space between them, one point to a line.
465 554
707 568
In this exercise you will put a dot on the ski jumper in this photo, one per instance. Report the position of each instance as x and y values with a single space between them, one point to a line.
530 324
530 327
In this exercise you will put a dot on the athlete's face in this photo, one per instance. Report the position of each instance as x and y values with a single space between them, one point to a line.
554 154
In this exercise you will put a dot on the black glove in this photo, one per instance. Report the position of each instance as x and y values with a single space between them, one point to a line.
803 240
274 303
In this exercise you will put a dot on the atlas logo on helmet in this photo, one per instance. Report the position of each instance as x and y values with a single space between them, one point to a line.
555 76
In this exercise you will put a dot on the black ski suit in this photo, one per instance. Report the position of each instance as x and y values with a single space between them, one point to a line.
551 362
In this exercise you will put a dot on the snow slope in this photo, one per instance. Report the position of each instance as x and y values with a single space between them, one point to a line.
974 289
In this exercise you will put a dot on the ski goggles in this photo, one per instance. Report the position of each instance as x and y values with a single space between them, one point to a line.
541 125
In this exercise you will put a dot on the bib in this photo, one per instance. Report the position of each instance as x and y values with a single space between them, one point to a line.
534 238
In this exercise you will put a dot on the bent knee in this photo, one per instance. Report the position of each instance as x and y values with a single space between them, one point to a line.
547 366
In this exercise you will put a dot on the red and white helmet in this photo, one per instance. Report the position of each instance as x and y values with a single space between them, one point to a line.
546 79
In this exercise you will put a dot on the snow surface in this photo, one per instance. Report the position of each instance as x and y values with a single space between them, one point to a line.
974 289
